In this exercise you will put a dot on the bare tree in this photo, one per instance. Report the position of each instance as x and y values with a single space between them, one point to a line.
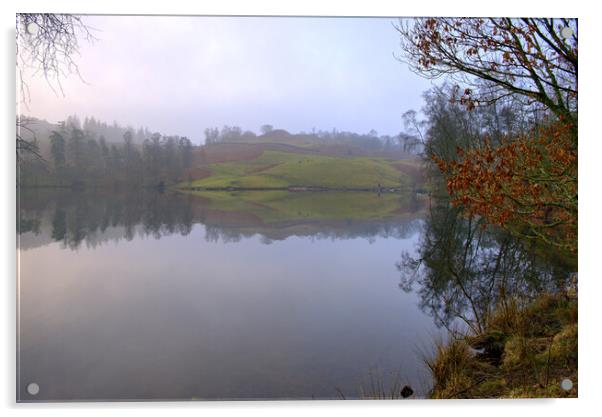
531 59
23 145
46 44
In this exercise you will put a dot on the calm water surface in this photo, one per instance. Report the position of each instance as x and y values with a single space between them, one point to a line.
180 297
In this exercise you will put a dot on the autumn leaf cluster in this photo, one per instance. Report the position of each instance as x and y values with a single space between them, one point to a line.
527 185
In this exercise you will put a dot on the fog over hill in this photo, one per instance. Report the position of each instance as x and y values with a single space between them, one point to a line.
93 153
333 142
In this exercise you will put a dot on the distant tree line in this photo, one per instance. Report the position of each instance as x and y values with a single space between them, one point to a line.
80 156
227 134
111 132
370 141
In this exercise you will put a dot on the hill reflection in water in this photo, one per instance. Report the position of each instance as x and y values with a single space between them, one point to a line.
93 218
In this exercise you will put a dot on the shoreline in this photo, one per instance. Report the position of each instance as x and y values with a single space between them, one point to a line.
524 351
292 189
300 189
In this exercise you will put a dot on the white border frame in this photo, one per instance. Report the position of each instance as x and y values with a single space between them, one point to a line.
590 279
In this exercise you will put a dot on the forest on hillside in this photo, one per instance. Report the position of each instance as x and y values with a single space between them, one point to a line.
93 153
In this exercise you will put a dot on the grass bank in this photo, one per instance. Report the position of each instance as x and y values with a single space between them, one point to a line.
526 351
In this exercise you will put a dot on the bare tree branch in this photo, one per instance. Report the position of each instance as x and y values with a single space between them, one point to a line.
522 57
47 45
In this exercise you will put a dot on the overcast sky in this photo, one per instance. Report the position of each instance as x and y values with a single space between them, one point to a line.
179 75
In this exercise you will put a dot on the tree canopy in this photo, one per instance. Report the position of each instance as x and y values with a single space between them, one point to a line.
532 60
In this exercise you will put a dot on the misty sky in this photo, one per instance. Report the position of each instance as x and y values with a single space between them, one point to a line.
179 75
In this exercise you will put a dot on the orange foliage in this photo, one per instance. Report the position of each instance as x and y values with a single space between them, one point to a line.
527 185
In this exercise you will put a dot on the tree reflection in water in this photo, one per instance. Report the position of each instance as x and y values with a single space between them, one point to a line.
93 218
73 218
463 270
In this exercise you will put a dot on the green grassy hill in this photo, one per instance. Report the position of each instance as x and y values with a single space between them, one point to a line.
277 169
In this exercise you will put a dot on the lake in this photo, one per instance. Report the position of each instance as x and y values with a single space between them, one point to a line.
264 295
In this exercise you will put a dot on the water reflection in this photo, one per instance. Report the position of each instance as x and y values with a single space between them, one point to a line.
174 296
462 270
261 295
96 218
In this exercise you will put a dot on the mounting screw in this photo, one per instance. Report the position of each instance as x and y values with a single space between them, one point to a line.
566 32
33 388
32 28
566 384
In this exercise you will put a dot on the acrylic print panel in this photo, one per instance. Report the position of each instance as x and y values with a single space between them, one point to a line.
221 208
